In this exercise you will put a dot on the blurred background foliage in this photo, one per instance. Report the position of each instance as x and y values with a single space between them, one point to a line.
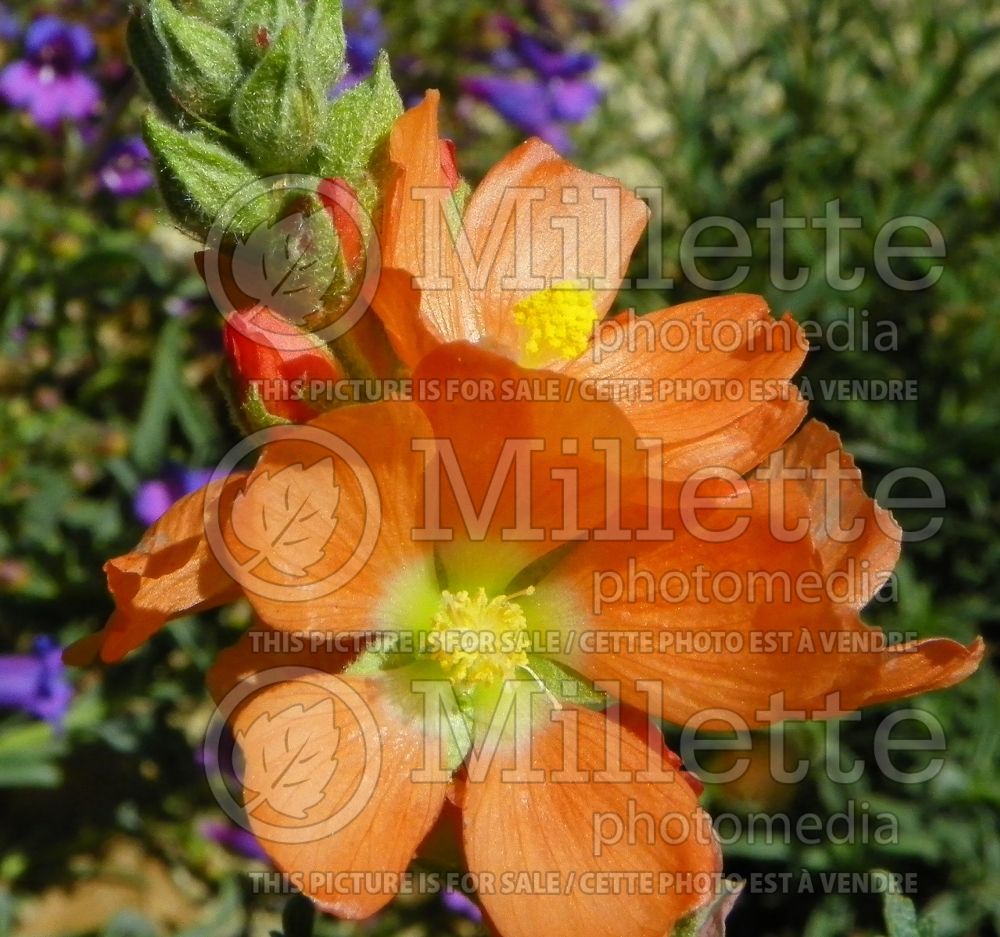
110 350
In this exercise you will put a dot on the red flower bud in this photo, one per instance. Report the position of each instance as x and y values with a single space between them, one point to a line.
341 203
280 361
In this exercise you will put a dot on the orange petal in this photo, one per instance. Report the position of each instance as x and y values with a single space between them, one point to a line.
716 374
417 197
246 663
172 572
577 226
915 667
329 791
535 220
569 832
322 536
470 398
752 620
865 560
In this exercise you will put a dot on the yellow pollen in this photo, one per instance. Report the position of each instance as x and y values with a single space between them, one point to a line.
557 323
479 640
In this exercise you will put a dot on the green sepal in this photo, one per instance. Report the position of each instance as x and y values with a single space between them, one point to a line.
276 114
297 259
710 919
202 62
254 414
461 195
258 23
565 685
357 124
151 64
216 12
325 45
198 175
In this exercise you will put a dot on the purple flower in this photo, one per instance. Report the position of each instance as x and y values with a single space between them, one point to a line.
458 903
234 838
126 169
573 100
537 86
10 26
153 497
49 82
547 62
365 37
36 683
537 107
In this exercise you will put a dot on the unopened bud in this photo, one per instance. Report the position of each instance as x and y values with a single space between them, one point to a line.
276 114
275 364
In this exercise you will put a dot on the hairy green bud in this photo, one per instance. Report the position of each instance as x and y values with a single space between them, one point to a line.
216 12
201 63
326 44
198 176
277 114
357 124
258 24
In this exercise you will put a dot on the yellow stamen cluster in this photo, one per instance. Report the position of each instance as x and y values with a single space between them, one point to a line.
557 323
479 640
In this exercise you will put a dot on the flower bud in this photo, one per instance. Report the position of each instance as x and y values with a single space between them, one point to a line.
216 12
202 63
357 123
449 164
276 114
341 203
324 62
278 370
197 176
259 23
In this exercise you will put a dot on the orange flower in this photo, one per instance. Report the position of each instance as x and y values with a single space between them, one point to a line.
532 266
435 574
500 568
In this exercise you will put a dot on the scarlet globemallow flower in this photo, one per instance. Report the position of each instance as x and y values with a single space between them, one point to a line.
529 269
480 583
278 361
503 516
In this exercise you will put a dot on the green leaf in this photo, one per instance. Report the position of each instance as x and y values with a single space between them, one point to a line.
150 436
901 918
27 756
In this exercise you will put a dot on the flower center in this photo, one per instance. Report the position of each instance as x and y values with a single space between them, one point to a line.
477 639
557 323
